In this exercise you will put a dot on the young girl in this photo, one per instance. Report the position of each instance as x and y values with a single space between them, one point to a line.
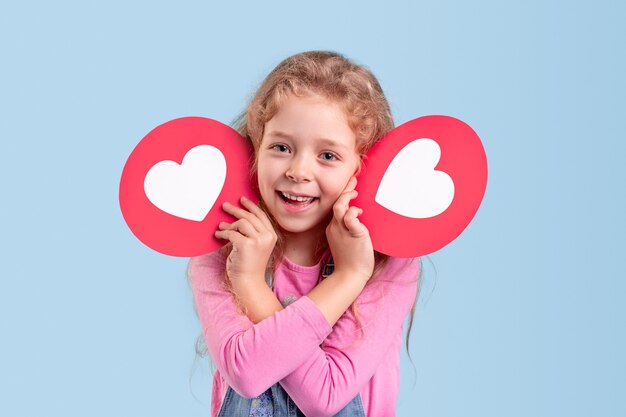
299 314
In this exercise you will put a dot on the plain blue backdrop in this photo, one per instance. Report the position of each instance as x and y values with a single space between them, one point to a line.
525 313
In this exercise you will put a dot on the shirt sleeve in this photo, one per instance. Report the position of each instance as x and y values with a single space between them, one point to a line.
251 357
335 373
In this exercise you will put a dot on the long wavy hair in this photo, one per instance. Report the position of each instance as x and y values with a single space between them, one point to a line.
336 78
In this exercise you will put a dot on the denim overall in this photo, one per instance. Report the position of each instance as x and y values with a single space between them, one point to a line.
281 405
275 402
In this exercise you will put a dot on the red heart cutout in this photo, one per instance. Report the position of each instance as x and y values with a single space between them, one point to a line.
462 158
406 213
158 226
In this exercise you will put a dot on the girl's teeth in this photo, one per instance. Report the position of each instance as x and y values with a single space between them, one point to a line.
299 199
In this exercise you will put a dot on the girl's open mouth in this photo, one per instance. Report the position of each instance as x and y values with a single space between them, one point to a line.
296 201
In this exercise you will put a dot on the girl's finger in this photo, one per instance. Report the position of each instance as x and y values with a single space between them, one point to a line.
343 203
258 212
353 224
351 185
233 236
240 213
346 195
243 226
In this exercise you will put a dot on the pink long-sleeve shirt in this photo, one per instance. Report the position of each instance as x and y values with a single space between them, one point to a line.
322 368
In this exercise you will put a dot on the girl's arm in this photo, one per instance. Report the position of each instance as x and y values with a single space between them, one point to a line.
285 346
333 296
334 374
256 299
251 357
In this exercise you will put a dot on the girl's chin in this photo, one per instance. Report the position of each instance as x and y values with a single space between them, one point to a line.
295 229
291 227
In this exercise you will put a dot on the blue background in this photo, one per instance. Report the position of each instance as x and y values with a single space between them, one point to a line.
524 314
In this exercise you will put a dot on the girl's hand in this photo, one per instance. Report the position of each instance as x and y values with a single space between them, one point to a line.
253 239
348 239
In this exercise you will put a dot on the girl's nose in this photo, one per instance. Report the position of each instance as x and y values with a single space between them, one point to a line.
299 171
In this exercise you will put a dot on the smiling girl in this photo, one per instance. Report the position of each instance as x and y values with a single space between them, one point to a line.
299 313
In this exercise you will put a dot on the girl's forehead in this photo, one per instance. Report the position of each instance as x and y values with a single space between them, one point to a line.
309 114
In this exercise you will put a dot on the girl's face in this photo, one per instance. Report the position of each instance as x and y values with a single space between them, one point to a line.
305 159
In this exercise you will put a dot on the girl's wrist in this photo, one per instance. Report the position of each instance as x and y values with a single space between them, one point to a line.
256 299
245 282
243 275
334 295
356 275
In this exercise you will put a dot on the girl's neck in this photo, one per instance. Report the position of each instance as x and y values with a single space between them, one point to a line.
304 248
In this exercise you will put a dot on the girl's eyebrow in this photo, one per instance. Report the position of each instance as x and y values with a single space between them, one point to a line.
324 141
279 134
331 143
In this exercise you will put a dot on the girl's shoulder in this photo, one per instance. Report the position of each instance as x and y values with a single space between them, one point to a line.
210 262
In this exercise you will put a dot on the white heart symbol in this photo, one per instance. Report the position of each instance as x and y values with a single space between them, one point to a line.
411 187
190 189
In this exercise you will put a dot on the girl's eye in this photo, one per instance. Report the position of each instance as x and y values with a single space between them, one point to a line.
328 156
280 148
